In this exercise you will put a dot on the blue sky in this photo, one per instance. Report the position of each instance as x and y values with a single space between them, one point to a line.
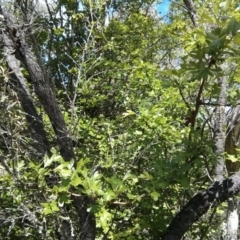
163 7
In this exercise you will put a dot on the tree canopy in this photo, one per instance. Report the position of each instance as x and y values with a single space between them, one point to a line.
118 122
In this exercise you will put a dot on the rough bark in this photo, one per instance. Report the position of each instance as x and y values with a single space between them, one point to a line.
21 50
219 131
39 80
232 138
232 142
232 219
40 142
199 205
87 220
191 10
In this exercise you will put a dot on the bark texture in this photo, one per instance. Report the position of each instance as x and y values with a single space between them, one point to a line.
199 205
233 138
191 10
40 142
17 47
219 131
232 142
232 219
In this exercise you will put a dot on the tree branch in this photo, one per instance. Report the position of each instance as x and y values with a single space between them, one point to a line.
191 10
217 193
17 80
40 81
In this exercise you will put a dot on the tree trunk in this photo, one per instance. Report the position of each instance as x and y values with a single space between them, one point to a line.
16 79
199 205
219 132
17 47
232 219
232 142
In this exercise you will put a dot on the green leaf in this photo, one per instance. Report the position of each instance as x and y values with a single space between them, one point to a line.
220 211
81 164
236 39
128 113
128 175
64 172
109 195
233 27
155 195
224 6
54 158
232 158
104 219
50 208
63 198
130 196
20 165
42 171
47 161
76 180
184 182
146 175
206 18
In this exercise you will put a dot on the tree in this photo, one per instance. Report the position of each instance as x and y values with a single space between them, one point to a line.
113 119
219 135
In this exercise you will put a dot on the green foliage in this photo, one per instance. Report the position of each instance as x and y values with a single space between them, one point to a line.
126 91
